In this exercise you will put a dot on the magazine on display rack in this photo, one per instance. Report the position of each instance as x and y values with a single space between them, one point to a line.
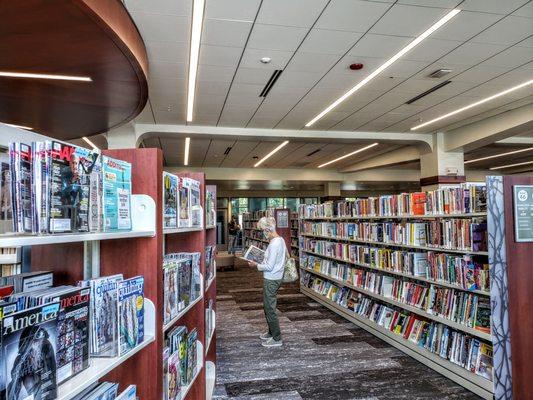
116 200
131 313
170 200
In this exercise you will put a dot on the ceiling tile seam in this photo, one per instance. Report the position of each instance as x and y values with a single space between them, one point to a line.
323 157
290 163
226 155
206 152
416 73
451 97
151 108
239 63
292 56
334 65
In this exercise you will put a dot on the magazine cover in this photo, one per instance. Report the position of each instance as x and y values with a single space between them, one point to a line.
104 310
191 354
95 199
170 200
195 205
184 282
181 346
28 351
174 377
21 181
131 311
116 181
170 299
130 393
184 220
70 174
6 207
254 253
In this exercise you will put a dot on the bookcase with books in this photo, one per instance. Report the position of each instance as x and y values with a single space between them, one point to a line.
210 290
411 269
253 236
295 229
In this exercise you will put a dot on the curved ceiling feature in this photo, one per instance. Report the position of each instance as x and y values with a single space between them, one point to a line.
93 52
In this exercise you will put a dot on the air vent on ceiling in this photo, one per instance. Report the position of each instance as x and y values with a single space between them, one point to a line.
228 149
270 83
434 88
439 73
313 152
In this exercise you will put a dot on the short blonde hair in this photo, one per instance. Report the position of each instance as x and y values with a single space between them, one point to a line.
267 224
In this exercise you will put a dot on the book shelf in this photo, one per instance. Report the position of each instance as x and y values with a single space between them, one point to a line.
330 247
210 298
254 236
295 234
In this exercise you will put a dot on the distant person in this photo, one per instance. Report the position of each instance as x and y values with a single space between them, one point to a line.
272 266
233 232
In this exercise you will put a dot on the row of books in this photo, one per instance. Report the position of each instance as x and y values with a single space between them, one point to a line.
182 203
210 208
256 215
462 307
48 334
107 391
182 282
256 243
464 271
466 198
180 361
457 234
210 263
57 187
459 348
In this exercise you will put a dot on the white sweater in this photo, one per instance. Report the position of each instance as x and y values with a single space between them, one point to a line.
274 262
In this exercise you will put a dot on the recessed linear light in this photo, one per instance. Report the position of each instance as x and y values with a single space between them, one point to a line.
187 146
385 65
348 155
86 139
477 103
45 76
511 165
271 153
196 34
19 126
499 155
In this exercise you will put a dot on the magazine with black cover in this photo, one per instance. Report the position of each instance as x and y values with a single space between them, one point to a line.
28 351
254 253
170 200
21 186
131 313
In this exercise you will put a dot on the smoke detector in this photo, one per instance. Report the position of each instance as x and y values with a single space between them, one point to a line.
266 60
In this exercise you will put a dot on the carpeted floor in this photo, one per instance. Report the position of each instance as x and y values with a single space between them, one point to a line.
323 357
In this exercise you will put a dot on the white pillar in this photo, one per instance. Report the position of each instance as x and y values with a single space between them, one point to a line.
441 167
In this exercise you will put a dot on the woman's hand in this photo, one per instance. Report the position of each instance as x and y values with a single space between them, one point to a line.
252 263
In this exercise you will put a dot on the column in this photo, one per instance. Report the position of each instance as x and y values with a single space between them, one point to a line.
441 167
332 191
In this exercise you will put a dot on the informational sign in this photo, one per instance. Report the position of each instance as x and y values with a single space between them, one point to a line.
523 213
282 218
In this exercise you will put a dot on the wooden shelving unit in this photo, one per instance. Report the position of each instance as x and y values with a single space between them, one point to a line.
210 295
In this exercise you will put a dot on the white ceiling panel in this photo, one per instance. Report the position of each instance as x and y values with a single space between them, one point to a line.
465 25
251 58
327 41
244 89
512 57
261 150
298 79
312 62
492 6
168 51
525 11
298 156
182 7
240 150
351 15
431 49
215 155
166 87
159 69
286 152
509 30
263 122
289 12
212 88
271 37
208 104
220 55
404 20
383 46
165 117
212 73
172 102
234 117
162 28
218 32
472 53
479 74
204 119
240 10
254 76
431 3
145 117
197 150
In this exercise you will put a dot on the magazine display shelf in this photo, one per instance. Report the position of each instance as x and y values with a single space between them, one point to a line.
210 373
210 338
143 225
475 383
413 309
210 227
169 231
99 367
199 368
380 217
183 312
210 281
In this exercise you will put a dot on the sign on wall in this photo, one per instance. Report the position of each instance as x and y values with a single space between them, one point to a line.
282 218
523 212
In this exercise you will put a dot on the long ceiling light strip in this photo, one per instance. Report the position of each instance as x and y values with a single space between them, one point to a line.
187 147
19 126
348 155
90 143
387 64
8 74
271 153
477 103
512 165
499 155
196 34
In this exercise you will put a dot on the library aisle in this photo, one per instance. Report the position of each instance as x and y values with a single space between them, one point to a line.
323 355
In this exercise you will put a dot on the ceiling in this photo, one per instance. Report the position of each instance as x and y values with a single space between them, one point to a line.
488 46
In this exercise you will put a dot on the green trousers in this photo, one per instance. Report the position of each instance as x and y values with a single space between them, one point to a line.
270 290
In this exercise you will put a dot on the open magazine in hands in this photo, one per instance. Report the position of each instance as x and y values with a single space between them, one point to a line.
254 254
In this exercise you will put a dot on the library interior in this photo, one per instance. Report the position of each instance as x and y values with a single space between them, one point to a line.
266 199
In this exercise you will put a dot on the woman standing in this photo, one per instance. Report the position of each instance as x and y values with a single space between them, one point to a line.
272 267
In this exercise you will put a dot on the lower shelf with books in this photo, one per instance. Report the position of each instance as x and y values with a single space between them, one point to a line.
199 366
210 375
475 383
173 321
101 366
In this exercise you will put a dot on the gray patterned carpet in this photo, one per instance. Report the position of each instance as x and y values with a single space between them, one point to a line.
323 357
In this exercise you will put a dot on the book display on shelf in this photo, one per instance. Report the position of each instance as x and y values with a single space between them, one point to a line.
170 200
253 236
182 204
411 268
295 229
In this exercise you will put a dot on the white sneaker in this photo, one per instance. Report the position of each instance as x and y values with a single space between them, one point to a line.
265 336
272 343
